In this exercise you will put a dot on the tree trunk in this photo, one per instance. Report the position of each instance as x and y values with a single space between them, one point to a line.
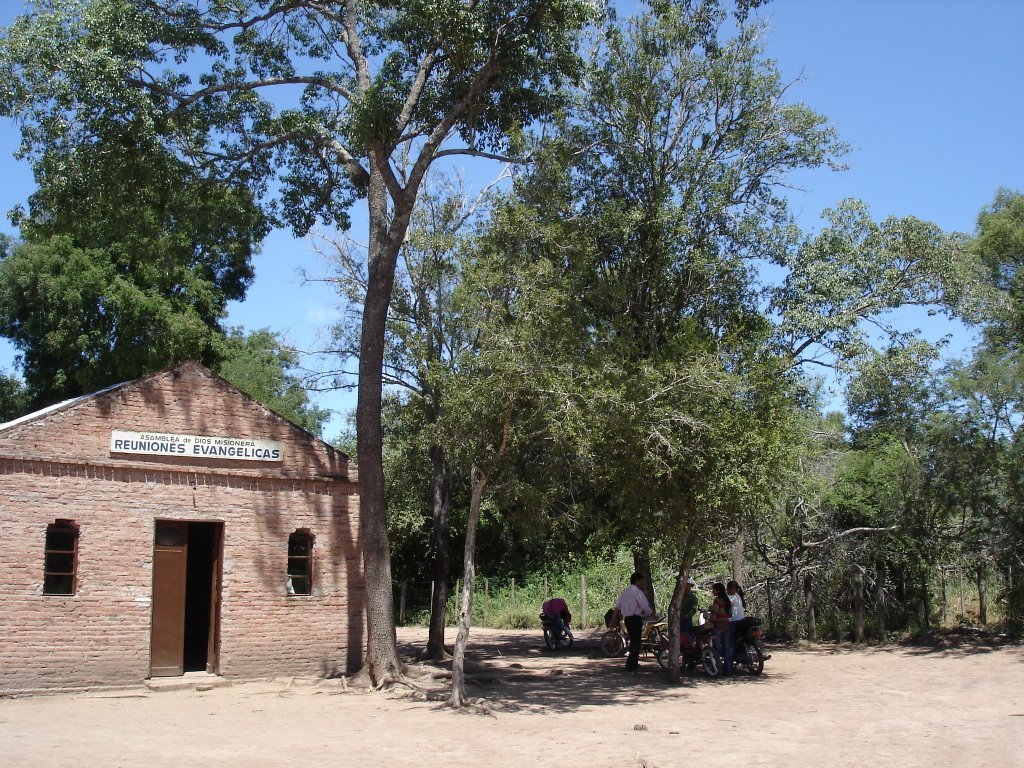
883 631
857 585
674 619
812 628
642 565
737 555
458 696
442 555
982 611
382 662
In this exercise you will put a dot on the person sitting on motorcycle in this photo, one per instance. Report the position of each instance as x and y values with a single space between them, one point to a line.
557 610
721 624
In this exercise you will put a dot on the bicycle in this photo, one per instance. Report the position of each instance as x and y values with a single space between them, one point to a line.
615 641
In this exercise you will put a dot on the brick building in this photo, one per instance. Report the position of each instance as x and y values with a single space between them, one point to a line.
173 524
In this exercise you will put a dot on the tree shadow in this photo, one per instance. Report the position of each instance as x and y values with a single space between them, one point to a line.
514 672
937 642
958 641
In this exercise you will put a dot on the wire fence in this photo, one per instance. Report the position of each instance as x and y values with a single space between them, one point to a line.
508 603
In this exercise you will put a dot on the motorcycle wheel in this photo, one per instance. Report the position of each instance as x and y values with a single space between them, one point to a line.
549 640
612 644
661 652
753 659
653 642
709 662
566 640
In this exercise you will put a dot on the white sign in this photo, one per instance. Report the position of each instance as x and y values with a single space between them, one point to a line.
195 446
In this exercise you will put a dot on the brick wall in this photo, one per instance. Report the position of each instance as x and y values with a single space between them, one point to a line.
59 466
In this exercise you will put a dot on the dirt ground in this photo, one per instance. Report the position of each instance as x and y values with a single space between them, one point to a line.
949 704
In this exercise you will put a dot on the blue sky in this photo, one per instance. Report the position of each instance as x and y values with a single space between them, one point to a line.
927 92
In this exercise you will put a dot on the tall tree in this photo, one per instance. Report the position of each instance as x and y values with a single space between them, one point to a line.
509 391
673 162
331 94
424 338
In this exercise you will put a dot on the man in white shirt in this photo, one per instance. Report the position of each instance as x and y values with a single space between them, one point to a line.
633 606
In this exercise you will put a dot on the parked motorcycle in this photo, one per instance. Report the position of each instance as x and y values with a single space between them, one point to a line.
696 648
556 633
748 648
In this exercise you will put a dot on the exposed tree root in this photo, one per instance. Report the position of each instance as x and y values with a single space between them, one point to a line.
426 655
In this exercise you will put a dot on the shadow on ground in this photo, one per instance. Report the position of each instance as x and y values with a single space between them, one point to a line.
513 671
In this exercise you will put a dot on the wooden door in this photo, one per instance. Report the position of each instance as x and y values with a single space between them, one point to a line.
170 560
213 647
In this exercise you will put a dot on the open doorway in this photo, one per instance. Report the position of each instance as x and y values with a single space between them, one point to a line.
186 597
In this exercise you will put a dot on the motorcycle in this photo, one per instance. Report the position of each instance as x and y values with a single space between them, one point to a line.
696 647
748 648
556 633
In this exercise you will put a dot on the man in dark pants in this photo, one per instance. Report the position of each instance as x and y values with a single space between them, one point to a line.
633 606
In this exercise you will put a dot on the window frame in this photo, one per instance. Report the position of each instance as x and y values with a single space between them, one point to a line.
60 525
291 576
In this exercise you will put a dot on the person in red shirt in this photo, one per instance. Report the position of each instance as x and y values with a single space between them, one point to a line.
558 610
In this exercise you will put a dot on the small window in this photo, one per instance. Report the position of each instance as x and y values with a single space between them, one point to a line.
61 560
300 563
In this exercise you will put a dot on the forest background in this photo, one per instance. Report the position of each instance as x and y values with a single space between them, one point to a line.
819 514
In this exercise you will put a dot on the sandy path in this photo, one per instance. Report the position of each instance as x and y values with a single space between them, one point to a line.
825 706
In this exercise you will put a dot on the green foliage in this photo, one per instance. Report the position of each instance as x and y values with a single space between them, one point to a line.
857 270
131 249
893 391
690 146
81 323
14 400
196 79
262 367
999 241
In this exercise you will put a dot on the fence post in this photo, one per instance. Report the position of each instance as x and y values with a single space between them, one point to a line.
858 603
512 605
401 602
583 601
942 582
545 588
982 607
